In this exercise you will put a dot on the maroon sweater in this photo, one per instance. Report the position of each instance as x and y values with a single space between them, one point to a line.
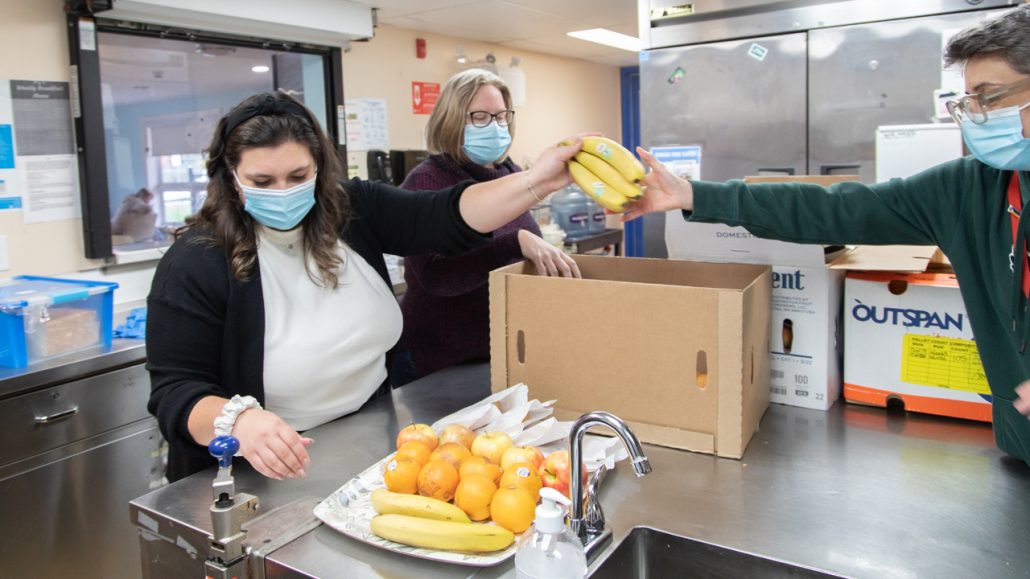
446 304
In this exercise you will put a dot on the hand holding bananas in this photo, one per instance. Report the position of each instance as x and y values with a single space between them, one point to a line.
488 205
665 191
608 173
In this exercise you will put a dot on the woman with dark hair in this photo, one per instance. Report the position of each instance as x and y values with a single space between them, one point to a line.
446 303
972 208
273 310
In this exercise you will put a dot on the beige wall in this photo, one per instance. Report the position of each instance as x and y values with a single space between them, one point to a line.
35 47
564 96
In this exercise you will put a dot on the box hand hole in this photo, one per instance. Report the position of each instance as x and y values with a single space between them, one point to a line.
520 346
788 335
702 369
897 286
751 375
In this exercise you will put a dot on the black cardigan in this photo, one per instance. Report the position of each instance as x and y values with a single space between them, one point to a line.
205 330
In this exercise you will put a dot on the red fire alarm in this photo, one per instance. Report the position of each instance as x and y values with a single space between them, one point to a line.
420 47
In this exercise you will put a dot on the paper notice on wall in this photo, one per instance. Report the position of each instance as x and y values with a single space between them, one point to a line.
367 124
10 198
38 164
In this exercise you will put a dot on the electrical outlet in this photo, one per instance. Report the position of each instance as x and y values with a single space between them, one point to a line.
5 262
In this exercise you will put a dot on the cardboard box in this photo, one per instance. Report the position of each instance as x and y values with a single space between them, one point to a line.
805 336
677 349
807 295
908 338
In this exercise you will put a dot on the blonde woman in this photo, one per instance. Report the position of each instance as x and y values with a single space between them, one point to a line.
445 306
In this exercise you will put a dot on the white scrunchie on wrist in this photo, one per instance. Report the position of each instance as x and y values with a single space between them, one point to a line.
231 411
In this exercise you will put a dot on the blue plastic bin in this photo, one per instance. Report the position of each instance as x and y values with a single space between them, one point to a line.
43 317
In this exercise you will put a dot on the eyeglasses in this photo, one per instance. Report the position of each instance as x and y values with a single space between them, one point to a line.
974 107
483 118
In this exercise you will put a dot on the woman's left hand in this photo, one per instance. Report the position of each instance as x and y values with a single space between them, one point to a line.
548 259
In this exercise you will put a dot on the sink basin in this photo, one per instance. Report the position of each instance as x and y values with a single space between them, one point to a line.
647 552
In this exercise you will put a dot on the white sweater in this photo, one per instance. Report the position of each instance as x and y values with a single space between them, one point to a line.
324 348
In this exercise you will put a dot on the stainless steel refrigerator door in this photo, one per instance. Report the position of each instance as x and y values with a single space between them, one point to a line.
865 76
743 101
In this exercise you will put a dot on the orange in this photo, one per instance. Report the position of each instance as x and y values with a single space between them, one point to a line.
452 452
479 465
438 479
513 508
414 451
473 496
521 475
401 476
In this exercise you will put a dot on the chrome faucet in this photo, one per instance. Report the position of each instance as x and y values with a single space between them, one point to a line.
587 531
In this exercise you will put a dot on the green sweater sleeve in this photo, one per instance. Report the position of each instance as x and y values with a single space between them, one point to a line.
921 210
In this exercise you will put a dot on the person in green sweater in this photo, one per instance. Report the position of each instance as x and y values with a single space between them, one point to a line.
970 207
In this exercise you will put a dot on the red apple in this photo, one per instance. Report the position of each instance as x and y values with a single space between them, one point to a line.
459 433
420 432
555 471
491 445
528 455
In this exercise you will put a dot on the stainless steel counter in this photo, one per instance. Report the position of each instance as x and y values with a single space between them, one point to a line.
72 366
855 490
78 444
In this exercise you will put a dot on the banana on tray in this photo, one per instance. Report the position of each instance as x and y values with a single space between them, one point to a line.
607 172
442 535
390 503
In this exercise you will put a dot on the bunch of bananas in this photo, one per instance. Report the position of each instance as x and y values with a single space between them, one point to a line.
433 524
607 172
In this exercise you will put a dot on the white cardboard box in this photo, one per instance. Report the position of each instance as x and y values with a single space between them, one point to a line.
908 338
804 336
808 281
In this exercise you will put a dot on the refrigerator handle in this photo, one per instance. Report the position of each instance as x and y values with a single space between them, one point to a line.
846 169
776 171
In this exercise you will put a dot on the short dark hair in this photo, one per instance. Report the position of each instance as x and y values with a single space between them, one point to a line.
1007 36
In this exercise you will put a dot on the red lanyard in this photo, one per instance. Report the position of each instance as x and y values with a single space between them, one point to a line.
1015 208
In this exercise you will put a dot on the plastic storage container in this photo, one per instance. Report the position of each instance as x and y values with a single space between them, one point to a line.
43 317
570 209
550 550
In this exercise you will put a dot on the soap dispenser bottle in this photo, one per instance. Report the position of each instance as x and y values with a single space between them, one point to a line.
551 550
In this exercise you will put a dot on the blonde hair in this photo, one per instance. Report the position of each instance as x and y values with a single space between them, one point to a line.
445 130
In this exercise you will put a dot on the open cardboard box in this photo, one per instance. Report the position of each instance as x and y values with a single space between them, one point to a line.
677 349
805 334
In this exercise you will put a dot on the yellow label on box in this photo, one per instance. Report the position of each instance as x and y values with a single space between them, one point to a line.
952 363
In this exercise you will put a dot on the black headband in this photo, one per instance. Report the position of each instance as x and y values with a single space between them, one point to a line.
266 106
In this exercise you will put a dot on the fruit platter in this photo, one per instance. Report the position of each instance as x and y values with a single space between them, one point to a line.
462 490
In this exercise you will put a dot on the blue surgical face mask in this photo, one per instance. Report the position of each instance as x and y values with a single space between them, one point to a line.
279 208
485 145
999 142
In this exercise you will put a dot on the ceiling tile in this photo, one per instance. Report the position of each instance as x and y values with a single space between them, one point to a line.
587 13
497 21
537 25
395 8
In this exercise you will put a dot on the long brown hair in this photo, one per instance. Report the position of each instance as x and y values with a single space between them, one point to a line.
270 120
